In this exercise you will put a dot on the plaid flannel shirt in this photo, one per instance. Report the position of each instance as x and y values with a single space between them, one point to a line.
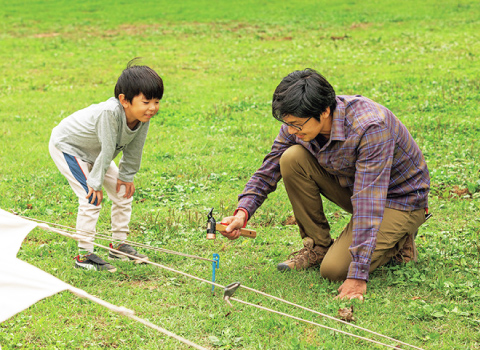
370 151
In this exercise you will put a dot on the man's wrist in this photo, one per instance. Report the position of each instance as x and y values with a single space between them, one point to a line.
242 213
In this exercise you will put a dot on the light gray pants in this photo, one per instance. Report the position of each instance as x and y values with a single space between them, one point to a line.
88 214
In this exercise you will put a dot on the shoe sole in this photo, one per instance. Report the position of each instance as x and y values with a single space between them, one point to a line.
283 267
93 268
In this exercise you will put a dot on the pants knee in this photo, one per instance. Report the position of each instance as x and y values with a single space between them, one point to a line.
87 209
291 160
118 198
332 271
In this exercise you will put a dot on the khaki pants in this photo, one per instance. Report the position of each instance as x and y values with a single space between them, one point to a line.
306 182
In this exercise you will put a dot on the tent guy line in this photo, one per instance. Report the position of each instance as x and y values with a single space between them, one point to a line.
22 284
109 238
323 326
75 237
131 314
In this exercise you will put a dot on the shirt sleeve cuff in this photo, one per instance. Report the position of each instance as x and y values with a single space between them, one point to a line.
96 186
247 215
358 271
126 178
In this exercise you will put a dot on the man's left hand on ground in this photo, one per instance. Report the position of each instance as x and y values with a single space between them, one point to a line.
352 289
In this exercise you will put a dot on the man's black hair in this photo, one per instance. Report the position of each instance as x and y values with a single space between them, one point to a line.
303 94
139 79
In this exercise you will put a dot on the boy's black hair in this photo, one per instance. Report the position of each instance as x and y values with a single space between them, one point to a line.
139 79
303 94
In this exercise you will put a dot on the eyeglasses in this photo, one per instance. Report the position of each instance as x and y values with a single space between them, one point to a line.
298 127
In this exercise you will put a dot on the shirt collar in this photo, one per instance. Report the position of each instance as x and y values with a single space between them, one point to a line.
338 122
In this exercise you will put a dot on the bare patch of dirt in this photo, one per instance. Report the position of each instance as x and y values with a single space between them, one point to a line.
335 38
290 221
360 25
172 28
460 191
46 35
337 214
244 26
274 38
35 240
309 335
179 30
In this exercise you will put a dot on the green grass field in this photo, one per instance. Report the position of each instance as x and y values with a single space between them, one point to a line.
220 62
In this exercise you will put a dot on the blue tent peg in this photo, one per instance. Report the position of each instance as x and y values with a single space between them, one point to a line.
215 265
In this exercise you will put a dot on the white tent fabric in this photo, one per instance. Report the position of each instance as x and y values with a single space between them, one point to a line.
21 284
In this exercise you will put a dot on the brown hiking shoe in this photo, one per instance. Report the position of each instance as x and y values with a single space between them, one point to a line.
408 252
310 255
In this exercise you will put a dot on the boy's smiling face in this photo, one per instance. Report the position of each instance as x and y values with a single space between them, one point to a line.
140 109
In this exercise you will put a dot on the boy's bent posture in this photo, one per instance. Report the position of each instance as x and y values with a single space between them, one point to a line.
84 145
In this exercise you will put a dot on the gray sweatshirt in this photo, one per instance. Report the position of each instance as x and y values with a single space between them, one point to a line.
96 135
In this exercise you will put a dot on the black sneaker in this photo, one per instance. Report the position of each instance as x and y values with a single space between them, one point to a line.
128 249
93 262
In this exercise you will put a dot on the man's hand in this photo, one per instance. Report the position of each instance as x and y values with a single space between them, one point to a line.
234 224
352 289
129 188
98 195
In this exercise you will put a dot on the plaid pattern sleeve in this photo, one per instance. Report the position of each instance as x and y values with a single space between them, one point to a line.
371 152
372 177
388 171
265 179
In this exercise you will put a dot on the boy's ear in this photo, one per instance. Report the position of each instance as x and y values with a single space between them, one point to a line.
123 100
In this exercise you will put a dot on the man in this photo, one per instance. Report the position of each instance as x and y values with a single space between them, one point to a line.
355 153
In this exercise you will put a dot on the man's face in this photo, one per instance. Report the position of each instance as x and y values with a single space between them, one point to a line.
309 128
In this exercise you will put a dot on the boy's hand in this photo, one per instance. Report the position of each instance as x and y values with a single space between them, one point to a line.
96 195
129 188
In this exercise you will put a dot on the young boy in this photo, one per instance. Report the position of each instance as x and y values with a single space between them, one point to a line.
84 145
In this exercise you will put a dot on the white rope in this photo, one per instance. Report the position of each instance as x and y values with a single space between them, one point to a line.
329 317
314 323
66 234
130 314
248 288
109 238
